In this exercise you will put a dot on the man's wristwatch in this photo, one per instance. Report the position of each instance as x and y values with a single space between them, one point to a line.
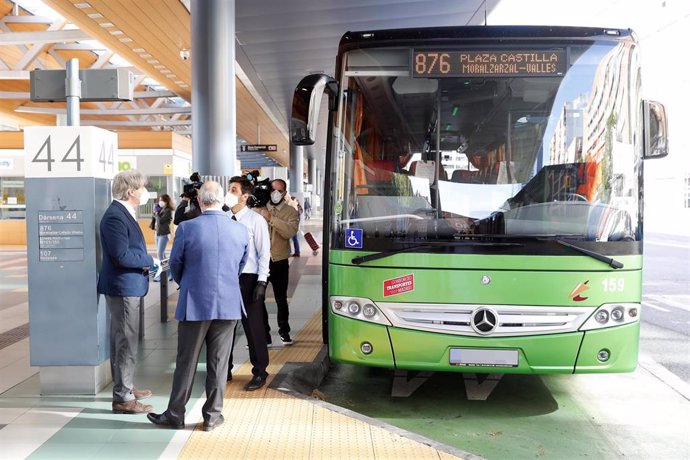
261 283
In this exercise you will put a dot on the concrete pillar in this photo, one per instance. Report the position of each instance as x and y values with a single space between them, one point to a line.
213 88
311 178
319 182
296 168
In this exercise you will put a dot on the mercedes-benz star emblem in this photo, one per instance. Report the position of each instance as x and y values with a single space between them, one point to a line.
484 321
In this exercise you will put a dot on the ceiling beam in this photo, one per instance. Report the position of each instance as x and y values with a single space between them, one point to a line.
136 123
14 74
137 94
33 38
108 112
28 19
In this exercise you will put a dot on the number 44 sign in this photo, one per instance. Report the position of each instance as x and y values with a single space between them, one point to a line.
69 151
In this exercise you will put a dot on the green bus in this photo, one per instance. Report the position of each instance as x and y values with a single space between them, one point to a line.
483 198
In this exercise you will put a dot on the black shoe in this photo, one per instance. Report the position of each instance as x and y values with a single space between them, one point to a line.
229 376
255 383
163 420
285 338
210 426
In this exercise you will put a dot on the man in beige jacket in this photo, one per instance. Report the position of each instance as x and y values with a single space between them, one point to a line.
283 223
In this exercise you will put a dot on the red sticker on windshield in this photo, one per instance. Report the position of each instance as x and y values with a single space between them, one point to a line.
398 285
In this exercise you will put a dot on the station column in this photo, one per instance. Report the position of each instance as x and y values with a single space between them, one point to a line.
213 88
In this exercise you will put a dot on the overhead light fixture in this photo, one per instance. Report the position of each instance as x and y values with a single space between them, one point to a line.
116 32
139 50
179 82
184 54
153 61
448 126
159 66
125 39
145 55
82 5
165 71
455 111
95 15
172 75
106 24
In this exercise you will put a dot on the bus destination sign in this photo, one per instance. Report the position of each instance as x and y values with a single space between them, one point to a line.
523 63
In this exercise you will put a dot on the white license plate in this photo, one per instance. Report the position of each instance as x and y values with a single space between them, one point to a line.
483 357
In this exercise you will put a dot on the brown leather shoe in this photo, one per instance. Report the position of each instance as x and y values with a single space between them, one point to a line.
131 407
141 394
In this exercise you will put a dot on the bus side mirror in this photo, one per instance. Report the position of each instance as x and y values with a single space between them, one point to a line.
306 103
655 130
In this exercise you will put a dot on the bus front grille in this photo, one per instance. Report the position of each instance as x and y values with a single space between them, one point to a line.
511 320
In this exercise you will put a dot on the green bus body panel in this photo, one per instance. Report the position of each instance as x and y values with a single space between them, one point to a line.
622 342
347 335
544 354
515 280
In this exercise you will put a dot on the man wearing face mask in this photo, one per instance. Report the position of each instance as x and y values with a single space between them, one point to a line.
124 279
252 280
283 223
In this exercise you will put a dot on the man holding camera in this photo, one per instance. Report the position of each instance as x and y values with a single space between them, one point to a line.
189 207
252 280
283 223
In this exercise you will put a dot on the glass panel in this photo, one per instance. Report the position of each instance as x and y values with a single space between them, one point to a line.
13 204
441 158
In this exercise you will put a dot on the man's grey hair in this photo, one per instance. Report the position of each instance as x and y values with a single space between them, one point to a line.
211 193
125 181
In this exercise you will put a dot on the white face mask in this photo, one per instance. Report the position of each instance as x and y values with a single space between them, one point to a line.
144 198
276 197
161 204
231 200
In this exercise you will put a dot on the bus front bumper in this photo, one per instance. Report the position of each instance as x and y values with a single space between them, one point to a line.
370 344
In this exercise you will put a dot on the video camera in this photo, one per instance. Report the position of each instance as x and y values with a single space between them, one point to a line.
190 188
262 190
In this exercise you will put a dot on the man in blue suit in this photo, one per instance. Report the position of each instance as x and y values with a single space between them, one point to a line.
124 280
207 258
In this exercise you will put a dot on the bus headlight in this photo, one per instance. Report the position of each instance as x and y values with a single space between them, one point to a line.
602 316
369 311
610 315
359 308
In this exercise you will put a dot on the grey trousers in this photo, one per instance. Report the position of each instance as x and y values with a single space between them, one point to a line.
124 320
191 336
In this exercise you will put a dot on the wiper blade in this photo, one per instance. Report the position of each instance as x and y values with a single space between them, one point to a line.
558 238
595 255
441 244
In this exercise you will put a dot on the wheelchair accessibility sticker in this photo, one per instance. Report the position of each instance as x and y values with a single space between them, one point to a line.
353 238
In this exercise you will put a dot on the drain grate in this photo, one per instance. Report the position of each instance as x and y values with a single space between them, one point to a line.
14 335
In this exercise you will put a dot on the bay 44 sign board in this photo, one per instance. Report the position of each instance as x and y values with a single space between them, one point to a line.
69 151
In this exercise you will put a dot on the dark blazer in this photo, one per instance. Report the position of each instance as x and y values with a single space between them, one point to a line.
124 272
206 260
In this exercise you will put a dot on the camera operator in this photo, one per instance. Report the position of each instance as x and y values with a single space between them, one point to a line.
189 203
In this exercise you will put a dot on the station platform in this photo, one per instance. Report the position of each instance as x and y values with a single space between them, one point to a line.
271 423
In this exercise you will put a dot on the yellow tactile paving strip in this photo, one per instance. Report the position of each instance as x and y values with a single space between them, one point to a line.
269 424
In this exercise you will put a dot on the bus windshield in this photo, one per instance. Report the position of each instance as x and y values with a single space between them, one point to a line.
488 149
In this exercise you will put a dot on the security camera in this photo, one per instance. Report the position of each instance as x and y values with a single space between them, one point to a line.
184 54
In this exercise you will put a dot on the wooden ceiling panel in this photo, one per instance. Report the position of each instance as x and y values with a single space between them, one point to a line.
162 28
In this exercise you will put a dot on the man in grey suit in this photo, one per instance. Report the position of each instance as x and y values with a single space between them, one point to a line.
207 258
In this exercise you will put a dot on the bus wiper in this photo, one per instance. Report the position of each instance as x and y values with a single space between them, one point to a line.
613 263
442 244
558 238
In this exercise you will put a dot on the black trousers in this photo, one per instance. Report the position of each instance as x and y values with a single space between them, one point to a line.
253 324
279 277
